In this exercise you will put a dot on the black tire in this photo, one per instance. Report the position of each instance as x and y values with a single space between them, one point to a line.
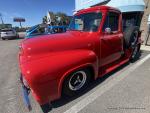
46 107
68 90
129 36
135 53
3 38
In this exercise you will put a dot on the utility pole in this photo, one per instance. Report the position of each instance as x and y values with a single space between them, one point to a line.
1 18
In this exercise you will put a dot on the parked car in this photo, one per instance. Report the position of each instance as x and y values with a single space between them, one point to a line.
8 34
64 64
43 29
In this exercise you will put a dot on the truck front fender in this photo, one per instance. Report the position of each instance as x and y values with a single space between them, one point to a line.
42 73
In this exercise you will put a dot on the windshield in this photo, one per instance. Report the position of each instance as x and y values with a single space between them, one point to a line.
86 22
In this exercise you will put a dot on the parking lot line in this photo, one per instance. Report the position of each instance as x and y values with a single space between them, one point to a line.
101 90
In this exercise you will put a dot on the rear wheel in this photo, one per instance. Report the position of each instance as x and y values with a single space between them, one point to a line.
130 36
131 41
135 53
76 82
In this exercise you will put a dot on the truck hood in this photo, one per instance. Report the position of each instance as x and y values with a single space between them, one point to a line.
50 44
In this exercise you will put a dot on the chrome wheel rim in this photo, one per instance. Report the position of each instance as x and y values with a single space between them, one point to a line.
77 80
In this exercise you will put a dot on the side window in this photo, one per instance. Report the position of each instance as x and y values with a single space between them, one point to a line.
112 21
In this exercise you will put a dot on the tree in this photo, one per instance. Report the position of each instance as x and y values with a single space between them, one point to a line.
1 18
52 17
63 18
57 19
44 21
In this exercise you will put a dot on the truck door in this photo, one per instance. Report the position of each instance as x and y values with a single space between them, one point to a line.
111 46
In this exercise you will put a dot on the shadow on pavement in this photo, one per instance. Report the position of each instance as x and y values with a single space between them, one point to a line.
16 38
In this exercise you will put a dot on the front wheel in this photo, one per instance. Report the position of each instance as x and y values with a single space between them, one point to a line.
76 82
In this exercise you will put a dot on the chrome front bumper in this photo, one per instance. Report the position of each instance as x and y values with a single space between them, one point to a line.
25 94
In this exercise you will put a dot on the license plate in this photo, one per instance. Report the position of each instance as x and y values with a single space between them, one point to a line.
25 93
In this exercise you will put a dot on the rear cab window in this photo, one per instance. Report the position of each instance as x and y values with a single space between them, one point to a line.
112 22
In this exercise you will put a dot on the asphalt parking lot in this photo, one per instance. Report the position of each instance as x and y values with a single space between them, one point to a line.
126 90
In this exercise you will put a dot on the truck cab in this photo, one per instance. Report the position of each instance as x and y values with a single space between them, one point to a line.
93 46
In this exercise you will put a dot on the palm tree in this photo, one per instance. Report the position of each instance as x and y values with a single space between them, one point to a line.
64 19
1 18
57 19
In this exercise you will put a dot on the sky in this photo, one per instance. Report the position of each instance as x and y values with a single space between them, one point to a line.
33 10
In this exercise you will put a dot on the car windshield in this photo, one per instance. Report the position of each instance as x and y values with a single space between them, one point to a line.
86 22
29 30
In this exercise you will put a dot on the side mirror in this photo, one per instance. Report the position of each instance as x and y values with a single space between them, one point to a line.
107 30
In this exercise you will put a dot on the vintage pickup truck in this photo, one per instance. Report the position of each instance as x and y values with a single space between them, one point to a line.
64 64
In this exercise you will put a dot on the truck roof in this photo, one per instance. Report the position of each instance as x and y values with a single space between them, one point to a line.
97 8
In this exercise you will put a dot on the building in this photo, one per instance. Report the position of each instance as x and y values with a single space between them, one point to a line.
144 24
124 6
136 7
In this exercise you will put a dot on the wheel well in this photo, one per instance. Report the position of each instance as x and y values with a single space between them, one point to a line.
90 68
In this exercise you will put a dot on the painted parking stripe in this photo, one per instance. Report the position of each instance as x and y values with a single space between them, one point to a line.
101 90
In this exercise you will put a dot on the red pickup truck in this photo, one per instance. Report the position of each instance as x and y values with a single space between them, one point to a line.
94 45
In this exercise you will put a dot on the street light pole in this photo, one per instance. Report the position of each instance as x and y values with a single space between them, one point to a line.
20 25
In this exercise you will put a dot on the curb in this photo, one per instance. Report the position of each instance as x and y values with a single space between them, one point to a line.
146 48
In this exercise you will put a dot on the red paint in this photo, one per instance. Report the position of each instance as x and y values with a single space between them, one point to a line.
46 61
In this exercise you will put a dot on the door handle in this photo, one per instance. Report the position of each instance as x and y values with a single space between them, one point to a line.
102 39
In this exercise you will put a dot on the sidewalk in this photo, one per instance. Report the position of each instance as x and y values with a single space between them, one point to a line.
146 48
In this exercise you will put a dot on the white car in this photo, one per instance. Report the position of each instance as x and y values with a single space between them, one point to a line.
8 34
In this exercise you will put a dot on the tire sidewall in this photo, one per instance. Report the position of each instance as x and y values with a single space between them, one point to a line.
129 34
133 59
67 91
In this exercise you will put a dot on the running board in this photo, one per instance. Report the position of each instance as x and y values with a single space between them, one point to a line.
109 68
